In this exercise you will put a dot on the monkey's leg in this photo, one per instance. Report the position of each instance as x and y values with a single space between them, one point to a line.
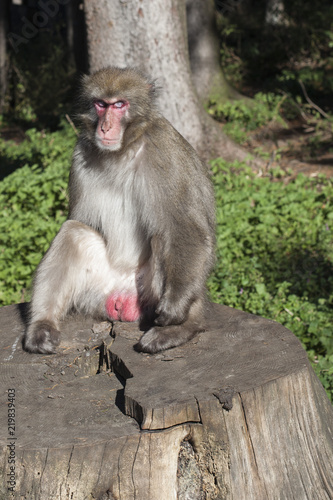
160 338
74 272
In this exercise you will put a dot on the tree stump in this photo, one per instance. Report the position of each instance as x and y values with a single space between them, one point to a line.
237 413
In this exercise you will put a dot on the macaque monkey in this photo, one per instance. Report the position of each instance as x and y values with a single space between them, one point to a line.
139 240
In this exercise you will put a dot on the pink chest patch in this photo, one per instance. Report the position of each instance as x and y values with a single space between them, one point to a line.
123 307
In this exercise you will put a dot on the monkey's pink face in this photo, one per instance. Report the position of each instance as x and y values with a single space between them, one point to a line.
110 130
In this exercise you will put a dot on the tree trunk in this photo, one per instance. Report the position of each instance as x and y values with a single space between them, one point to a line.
235 414
76 40
4 12
204 52
153 37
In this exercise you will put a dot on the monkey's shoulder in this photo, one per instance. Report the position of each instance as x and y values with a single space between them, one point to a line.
164 145
165 135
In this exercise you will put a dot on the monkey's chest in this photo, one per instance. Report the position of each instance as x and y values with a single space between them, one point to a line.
117 219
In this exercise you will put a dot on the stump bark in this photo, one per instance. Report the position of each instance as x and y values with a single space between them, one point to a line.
237 413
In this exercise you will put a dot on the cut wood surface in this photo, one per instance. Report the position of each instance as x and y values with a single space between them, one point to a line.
237 413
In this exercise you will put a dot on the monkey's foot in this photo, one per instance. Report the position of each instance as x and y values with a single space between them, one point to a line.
123 307
42 337
160 338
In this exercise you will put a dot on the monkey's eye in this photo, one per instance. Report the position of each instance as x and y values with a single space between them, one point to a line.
119 104
101 104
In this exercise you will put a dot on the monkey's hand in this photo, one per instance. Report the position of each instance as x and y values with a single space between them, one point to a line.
160 338
42 337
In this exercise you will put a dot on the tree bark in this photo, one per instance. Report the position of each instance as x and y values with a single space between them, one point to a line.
153 37
204 52
76 40
235 414
4 12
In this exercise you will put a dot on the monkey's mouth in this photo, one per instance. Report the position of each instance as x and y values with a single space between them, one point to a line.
108 143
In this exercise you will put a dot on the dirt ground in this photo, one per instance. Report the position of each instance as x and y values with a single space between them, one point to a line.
299 147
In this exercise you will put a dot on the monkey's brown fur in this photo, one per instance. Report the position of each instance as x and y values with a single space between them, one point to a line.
141 221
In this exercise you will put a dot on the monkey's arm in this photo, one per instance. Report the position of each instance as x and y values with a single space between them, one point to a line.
185 263
182 224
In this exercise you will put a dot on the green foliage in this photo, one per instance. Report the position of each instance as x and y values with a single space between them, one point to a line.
259 55
33 204
241 116
266 116
275 255
40 148
42 98
290 63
